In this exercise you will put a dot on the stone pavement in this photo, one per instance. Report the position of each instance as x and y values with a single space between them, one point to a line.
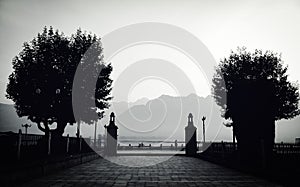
176 171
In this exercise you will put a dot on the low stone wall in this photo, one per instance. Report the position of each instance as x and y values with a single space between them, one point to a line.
25 172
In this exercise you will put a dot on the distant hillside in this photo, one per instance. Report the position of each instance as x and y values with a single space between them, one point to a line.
160 118
166 117
9 120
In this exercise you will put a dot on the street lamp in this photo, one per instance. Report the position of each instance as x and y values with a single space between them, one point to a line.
203 119
26 126
95 134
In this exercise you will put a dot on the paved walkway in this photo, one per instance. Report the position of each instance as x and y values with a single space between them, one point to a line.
177 171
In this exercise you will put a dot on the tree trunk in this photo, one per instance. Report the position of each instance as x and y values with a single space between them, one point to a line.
60 129
44 129
78 129
253 107
58 143
255 142
268 142
42 144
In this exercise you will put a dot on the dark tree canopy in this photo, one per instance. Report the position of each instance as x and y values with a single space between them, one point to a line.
42 80
253 90
265 75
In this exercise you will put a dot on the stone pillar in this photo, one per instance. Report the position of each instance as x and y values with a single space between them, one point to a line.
112 137
190 137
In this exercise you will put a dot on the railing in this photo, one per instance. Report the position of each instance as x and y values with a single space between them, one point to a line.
23 147
222 147
279 148
287 148
170 147
18 146
286 156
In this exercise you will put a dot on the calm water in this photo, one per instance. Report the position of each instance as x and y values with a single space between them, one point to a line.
147 142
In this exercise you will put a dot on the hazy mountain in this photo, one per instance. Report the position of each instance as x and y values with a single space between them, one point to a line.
9 120
166 117
141 101
160 118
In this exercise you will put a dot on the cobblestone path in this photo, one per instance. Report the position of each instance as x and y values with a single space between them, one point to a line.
177 171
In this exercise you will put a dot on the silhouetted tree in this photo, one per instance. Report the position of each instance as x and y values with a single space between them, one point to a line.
253 91
100 92
42 80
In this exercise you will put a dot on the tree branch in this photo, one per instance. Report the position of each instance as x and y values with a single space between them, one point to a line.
40 127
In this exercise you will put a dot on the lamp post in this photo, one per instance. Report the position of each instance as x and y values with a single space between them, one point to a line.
95 135
203 119
26 126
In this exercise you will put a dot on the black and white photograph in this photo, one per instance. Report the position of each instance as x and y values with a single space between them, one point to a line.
149 93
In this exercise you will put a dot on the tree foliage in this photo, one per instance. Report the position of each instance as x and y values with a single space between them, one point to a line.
42 80
256 68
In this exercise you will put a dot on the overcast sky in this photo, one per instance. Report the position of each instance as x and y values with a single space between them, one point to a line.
220 25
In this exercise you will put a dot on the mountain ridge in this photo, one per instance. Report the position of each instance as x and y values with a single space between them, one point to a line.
164 114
